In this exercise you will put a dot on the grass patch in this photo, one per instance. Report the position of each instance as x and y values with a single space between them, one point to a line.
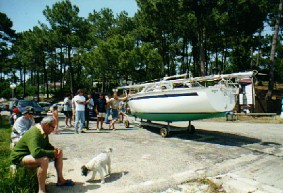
25 180
213 188
202 185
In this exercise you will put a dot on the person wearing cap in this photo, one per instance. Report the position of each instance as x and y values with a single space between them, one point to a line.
15 114
22 124
34 151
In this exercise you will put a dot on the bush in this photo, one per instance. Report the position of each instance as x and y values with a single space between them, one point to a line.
25 180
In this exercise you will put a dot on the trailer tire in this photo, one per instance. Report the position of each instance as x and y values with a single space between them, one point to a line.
191 129
164 132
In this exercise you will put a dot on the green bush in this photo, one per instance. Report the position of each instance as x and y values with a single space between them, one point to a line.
5 90
25 180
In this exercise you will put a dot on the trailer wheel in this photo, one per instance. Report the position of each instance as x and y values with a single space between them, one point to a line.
127 123
164 132
191 129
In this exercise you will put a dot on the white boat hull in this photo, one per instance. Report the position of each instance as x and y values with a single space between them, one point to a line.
183 104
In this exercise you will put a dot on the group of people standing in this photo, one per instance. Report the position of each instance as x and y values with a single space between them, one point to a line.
33 149
81 107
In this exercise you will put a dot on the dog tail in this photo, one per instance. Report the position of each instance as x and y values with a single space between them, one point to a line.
108 149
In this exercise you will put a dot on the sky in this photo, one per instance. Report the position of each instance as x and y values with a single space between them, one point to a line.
25 14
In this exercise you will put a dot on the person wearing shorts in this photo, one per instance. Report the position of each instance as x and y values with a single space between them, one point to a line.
100 110
68 110
114 104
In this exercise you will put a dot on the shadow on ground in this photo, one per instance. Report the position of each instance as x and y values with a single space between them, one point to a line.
78 187
113 177
214 137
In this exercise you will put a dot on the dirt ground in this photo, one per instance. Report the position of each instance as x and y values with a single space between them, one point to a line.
234 156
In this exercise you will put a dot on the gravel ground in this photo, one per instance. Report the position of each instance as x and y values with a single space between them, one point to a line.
237 157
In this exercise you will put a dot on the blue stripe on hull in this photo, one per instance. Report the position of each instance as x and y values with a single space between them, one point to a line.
165 96
177 116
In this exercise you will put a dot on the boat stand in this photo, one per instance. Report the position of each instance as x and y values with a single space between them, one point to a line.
165 130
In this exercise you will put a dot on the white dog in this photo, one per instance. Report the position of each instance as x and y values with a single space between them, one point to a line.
98 164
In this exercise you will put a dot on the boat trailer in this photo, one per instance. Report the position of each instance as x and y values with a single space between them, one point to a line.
165 130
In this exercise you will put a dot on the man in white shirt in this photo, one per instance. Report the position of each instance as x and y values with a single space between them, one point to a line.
80 103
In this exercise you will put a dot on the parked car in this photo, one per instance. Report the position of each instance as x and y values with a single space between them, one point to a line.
4 107
39 112
45 105
60 106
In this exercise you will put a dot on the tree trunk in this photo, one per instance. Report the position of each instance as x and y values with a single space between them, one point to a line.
258 57
62 76
45 77
37 77
272 53
202 52
72 87
24 81
259 51
252 54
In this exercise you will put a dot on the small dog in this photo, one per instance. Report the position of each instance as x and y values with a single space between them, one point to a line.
98 164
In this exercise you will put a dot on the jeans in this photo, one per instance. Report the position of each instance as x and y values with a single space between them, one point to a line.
107 114
80 118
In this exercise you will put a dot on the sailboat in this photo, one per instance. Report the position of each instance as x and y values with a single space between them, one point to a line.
182 98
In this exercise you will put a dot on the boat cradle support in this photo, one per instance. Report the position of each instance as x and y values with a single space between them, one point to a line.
165 130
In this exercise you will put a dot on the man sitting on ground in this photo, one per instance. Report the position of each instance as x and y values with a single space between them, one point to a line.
34 151
22 124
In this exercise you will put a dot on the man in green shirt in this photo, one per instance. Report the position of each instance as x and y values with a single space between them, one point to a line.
34 151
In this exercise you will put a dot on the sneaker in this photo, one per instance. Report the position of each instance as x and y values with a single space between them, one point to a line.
66 126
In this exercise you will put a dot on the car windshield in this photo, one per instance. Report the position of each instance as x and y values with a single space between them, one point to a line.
28 103
44 104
